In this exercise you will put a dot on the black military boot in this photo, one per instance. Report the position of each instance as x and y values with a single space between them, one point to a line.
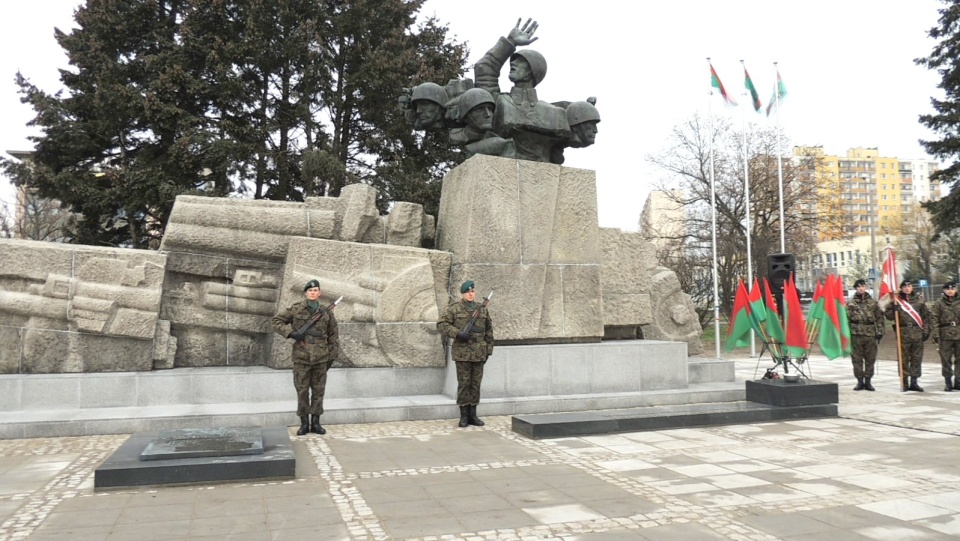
948 384
866 384
315 425
472 415
464 417
913 385
956 383
905 386
304 425
859 386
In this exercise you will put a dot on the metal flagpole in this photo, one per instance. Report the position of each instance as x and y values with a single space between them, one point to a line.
713 229
776 92
746 192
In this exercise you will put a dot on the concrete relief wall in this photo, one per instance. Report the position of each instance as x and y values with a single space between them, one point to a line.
529 231
525 229
67 308
390 301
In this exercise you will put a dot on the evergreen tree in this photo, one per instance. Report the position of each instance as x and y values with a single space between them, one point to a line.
945 58
277 99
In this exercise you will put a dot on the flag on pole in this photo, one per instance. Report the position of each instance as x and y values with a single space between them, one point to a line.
779 92
830 341
754 96
888 276
758 314
774 328
715 83
739 320
840 295
796 344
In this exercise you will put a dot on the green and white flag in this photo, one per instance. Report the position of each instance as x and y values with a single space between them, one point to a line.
779 92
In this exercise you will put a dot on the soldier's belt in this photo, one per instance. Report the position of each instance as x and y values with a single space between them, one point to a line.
951 324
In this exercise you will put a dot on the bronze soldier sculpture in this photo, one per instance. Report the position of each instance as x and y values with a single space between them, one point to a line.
468 324
866 330
314 350
945 324
912 333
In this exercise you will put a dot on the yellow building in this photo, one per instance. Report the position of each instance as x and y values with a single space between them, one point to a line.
863 183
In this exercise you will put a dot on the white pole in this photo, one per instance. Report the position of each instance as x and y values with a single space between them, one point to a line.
776 92
713 230
746 192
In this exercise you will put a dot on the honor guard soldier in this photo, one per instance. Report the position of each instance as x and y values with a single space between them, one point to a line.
314 350
468 324
913 317
866 329
945 327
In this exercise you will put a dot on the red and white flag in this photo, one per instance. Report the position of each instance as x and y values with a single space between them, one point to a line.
888 284
888 280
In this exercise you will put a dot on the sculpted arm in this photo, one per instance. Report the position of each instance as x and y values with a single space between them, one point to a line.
486 71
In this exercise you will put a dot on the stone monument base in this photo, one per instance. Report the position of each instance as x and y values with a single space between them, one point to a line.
198 456
805 392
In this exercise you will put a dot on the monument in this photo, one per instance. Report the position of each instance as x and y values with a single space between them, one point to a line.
571 296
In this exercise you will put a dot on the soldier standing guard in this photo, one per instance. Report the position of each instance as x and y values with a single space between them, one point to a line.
945 323
471 348
313 353
914 330
866 328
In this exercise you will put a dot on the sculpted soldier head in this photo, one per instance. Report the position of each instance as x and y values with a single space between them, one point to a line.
429 100
527 68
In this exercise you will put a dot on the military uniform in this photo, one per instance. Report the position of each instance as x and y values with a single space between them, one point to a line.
866 328
911 335
470 352
312 357
945 326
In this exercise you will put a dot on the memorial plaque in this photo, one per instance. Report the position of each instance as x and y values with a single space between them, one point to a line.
204 442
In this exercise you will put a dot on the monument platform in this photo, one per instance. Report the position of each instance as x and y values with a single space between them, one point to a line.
190 456
517 380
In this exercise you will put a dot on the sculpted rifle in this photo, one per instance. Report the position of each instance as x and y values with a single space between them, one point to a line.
316 317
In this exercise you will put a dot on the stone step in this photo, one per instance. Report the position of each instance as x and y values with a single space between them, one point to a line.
558 425
38 423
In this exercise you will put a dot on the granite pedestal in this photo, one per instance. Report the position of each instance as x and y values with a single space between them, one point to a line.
805 392
198 456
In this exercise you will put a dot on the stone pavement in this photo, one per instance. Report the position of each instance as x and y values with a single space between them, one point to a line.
885 469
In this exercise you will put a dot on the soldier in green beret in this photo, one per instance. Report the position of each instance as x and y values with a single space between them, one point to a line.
471 348
313 353
945 324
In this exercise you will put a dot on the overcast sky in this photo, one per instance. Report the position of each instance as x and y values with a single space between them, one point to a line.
847 64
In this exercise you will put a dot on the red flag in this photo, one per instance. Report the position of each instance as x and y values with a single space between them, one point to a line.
774 328
888 283
793 315
840 293
830 340
739 320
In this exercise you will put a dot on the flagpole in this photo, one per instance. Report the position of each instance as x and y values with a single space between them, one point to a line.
783 245
746 191
713 228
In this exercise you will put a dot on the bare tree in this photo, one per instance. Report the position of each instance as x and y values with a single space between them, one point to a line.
685 163
32 217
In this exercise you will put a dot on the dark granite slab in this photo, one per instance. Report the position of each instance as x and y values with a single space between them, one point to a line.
125 469
204 442
557 425
806 392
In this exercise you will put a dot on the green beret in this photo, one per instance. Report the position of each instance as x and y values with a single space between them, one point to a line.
312 283
466 286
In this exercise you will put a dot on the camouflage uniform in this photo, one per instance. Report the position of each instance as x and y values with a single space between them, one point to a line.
945 323
472 355
911 336
312 358
866 325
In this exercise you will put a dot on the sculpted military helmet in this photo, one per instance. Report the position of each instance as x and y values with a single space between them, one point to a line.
472 98
538 64
430 92
579 112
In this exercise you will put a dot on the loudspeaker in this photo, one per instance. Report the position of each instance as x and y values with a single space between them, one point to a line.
779 269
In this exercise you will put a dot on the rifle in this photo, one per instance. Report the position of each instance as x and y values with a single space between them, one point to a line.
316 317
476 313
